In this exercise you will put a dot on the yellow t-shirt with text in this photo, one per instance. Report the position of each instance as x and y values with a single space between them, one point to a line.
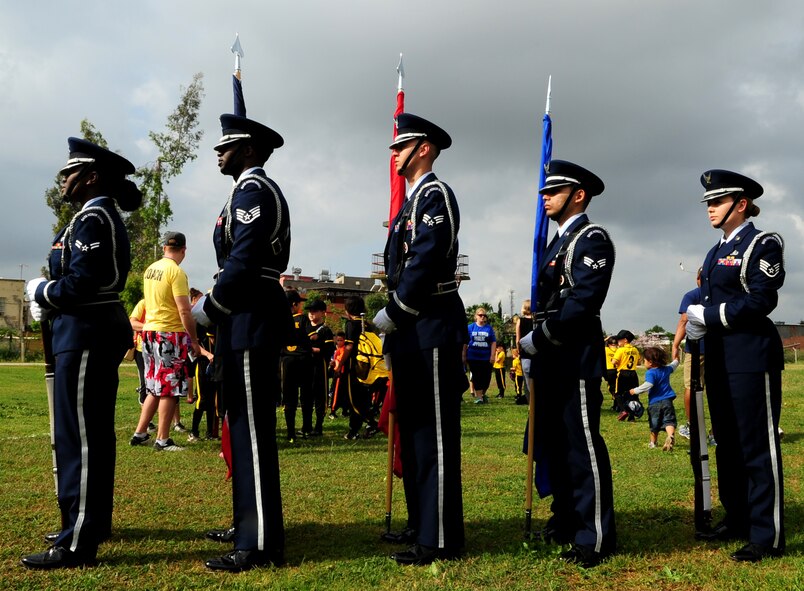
626 357
162 282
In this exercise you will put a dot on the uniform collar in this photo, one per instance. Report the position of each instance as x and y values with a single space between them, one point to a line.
247 172
418 183
93 201
566 225
734 233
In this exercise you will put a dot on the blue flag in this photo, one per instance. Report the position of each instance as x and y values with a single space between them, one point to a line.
541 479
540 232
239 101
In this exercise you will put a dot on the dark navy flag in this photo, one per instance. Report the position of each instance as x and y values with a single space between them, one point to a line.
239 101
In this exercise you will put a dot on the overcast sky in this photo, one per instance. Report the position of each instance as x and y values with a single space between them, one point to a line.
646 94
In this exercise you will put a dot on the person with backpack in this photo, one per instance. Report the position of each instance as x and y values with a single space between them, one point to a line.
358 393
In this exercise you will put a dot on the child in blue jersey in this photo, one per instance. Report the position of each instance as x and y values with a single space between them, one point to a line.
661 413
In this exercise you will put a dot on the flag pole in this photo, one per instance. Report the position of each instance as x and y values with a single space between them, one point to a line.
237 85
538 248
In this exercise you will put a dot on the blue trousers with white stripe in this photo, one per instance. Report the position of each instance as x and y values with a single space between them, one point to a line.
745 409
85 392
429 384
579 469
250 390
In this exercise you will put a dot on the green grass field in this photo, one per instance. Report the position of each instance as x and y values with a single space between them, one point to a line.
333 492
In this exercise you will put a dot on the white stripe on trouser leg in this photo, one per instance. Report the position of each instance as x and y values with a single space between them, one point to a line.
440 450
595 470
82 437
255 453
777 525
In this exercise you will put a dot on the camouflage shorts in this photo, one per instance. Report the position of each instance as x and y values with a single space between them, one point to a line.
166 362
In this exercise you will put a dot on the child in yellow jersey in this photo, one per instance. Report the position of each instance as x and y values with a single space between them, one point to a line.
611 371
519 377
625 360
499 369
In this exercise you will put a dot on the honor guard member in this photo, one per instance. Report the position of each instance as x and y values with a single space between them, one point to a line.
568 366
322 347
425 326
89 262
248 305
740 281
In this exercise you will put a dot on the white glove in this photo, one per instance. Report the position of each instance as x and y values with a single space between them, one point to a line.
31 287
198 313
36 311
384 322
527 345
695 330
695 313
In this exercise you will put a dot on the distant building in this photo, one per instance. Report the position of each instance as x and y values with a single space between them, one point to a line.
334 290
13 307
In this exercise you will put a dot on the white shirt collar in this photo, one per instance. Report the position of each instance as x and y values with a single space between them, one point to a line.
247 172
563 227
416 185
734 233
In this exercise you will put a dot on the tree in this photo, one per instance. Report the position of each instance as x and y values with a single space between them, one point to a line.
176 146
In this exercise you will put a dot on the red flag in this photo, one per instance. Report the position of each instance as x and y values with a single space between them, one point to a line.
226 446
397 200
397 181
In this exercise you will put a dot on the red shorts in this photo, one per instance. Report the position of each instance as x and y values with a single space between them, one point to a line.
166 357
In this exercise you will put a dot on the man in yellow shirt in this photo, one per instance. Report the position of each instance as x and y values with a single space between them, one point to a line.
168 338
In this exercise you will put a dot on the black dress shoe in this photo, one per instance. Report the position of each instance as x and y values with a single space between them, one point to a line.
221 535
239 560
419 555
755 553
582 556
721 532
57 557
406 536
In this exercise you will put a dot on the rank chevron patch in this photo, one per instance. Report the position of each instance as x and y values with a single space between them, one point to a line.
768 269
246 217
593 264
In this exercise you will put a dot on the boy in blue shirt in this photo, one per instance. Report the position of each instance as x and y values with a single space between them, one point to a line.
661 413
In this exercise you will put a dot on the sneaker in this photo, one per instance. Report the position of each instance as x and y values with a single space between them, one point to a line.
151 428
623 415
668 444
651 445
193 438
331 416
351 436
711 441
179 428
479 401
684 430
500 395
168 445
136 440
781 433
370 432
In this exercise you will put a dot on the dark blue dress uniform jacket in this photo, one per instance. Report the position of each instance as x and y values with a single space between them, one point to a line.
567 315
738 298
252 246
89 264
424 302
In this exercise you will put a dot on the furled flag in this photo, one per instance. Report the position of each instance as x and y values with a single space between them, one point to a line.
397 200
539 245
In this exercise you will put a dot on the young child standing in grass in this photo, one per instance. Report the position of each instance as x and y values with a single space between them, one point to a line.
661 413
